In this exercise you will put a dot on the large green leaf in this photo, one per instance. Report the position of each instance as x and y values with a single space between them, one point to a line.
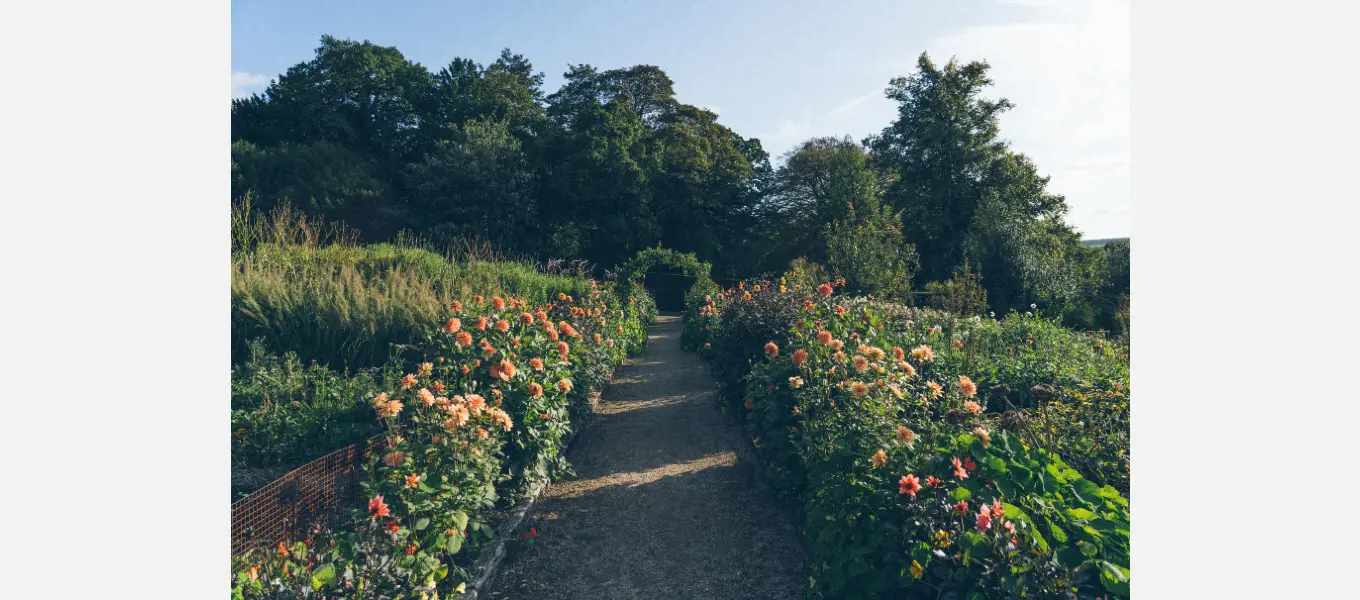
323 577
454 543
1115 578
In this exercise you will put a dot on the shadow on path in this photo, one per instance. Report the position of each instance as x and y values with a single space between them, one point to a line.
660 506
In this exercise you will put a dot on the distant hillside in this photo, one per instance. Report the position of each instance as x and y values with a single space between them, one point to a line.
1101 242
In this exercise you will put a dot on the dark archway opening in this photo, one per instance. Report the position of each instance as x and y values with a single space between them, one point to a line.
668 285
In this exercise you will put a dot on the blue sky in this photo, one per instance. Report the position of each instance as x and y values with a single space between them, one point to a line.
782 71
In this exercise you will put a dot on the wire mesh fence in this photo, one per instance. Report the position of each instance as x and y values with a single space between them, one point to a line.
317 493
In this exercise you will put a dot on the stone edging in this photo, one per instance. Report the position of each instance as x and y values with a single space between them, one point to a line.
488 565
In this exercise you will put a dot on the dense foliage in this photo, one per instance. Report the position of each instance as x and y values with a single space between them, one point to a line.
612 163
480 412
934 455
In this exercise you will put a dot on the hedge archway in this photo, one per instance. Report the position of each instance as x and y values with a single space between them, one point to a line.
675 274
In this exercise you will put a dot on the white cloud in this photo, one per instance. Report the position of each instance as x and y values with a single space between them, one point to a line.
244 84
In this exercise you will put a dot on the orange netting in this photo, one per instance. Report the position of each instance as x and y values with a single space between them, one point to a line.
317 493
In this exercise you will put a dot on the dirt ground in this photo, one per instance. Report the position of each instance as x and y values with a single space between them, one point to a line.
661 506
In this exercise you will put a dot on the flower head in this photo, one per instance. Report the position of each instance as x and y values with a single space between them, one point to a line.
879 458
536 364
535 390
453 326
475 403
564 385
824 337
824 290
412 480
409 381
390 409
394 459
463 339
922 353
935 389
967 387
905 435
973 407
861 363
771 350
795 382
859 388
959 471
983 435
909 484
377 508
800 356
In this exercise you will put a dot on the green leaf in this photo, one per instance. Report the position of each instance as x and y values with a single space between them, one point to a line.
454 543
1014 513
1088 491
1087 548
460 519
1056 476
960 493
1006 487
1070 557
1104 525
1115 578
422 523
1079 514
325 575
1058 534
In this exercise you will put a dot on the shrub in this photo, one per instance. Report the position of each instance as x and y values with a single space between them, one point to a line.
479 415
285 414
961 295
868 252
853 415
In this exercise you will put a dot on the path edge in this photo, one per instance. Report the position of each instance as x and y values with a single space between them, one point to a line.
487 566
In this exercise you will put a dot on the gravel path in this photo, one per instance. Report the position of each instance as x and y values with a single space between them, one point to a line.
661 506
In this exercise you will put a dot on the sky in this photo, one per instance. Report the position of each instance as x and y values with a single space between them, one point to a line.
782 71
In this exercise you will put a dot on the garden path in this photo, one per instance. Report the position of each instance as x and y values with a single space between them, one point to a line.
661 507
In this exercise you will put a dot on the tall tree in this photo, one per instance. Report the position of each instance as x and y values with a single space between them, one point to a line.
943 156
820 182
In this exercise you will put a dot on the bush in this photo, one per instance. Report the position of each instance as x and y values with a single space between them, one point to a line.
285 414
868 252
860 409
961 295
299 286
480 415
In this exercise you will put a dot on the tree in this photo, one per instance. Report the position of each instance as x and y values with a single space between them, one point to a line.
943 157
865 247
479 184
820 182
321 178
364 97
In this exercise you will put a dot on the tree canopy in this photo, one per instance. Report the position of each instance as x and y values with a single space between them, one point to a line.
613 163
